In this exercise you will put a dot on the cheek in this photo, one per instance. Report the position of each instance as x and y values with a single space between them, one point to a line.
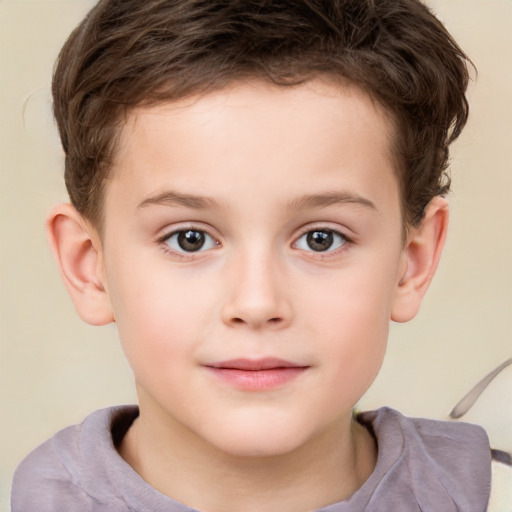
356 299
351 321
157 318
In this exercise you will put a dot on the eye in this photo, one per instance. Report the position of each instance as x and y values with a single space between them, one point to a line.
190 240
321 240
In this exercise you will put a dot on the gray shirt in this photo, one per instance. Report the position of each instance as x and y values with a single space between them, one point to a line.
422 466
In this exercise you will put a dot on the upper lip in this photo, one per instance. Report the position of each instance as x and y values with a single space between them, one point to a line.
266 363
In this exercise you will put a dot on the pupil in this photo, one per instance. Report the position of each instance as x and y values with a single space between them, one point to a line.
320 240
191 240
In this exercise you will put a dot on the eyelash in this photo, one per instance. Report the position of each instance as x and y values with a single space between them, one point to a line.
163 242
343 244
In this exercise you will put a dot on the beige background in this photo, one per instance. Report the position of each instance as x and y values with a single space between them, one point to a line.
54 369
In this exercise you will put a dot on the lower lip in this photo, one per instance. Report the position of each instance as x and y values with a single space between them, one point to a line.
257 380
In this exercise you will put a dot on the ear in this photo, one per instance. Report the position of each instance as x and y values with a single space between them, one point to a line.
77 248
420 259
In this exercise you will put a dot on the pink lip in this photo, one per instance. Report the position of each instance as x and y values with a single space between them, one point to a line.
256 374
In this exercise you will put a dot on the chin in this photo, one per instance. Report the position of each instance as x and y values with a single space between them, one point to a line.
258 448
257 440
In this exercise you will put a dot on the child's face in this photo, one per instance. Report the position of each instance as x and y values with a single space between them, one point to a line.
254 226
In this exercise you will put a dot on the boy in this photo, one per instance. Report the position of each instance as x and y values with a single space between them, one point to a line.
257 189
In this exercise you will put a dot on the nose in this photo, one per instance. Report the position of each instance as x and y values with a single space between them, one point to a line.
257 297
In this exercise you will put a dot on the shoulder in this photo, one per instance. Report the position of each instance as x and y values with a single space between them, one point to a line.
49 475
449 442
57 475
434 458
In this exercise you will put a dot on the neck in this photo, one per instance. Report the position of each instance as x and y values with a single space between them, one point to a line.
325 470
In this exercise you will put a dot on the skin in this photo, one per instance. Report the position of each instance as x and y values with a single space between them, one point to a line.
256 167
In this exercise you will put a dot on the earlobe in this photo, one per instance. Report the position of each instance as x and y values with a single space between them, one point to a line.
77 249
421 257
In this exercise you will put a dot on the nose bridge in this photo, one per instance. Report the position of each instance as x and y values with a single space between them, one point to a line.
256 296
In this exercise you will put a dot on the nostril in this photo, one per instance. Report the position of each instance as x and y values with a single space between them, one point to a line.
271 321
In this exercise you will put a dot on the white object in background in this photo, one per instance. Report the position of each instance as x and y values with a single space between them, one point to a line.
501 493
489 404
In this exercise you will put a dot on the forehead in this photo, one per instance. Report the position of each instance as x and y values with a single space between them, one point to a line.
298 135
317 102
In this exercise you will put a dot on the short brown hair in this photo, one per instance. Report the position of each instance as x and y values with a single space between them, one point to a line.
131 52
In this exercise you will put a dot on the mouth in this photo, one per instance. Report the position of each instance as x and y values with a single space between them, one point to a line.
256 374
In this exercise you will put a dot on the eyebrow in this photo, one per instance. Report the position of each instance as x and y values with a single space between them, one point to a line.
170 198
310 201
328 199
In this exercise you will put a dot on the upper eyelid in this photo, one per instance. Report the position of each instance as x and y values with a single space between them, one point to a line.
323 227
335 231
167 233
331 230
